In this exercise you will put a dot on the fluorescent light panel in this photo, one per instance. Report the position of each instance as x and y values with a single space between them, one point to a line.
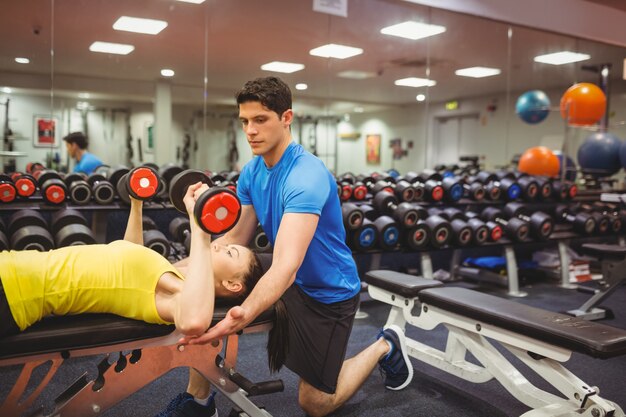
111 48
477 72
166 72
561 58
139 25
284 67
413 30
420 97
415 82
333 50
22 60
301 86
356 75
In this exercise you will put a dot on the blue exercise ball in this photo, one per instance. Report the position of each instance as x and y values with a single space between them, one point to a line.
622 154
599 154
533 106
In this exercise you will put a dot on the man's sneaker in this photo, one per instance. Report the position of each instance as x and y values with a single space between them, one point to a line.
395 366
183 405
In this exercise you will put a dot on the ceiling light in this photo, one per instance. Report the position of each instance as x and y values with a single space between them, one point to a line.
193 1
413 30
359 109
21 60
335 51
560 58
477 72
139 25
167 72
420 97
356 75
301 86
111 48
6 90
415 82
285 67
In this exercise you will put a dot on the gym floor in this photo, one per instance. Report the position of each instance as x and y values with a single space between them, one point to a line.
431 393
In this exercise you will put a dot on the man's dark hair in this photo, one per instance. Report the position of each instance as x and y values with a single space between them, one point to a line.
271 92
78 138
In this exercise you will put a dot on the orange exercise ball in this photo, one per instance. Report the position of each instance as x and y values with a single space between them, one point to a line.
583 104
539 161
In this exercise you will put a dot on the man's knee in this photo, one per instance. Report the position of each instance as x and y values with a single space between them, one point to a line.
315 403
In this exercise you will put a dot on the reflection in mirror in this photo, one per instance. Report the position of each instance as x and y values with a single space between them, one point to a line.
25 71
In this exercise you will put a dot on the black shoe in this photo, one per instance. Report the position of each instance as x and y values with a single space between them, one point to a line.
183 405
396 365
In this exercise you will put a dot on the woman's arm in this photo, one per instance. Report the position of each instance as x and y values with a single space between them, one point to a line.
134 227
193 311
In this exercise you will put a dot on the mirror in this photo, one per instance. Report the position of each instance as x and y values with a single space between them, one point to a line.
352 114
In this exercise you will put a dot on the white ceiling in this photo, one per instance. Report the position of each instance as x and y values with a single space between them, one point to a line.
228 40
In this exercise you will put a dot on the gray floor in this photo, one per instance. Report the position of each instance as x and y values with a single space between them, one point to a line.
432 392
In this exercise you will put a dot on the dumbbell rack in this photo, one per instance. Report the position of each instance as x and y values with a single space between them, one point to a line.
562 236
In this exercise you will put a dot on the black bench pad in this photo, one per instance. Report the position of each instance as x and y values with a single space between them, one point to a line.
572 333
602 250
402 284
66 333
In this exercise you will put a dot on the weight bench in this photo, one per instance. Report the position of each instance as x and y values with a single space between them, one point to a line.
613 261
136 354
540 339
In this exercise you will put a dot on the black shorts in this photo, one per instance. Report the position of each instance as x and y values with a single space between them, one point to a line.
318 337
7 322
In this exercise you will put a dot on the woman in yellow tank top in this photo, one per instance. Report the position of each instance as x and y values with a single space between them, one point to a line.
127 279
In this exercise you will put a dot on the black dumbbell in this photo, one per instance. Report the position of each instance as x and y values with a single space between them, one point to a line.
25 184
29 231
606 223
461 233
141 183
364 238
583 223
156 240
541 224
216 211
79 189
180 230
441 230
427 185
51 186
480 230
69 228
529 186
8 192
352 216
494 231
505 188
101 188
418 236
473 190
4 242
388 232
404 213
516 229
33 167
564 190
260 242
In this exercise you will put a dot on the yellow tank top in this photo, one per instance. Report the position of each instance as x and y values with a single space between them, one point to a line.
118 278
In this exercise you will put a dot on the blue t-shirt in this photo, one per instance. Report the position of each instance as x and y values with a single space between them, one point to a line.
300 183
88 163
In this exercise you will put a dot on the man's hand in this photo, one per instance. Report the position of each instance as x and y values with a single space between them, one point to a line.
234 321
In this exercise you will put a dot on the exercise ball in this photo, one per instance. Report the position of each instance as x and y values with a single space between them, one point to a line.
533 106
622 154
599 154
583 104
539 161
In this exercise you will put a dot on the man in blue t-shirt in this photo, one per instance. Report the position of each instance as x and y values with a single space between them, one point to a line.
313 278
76 144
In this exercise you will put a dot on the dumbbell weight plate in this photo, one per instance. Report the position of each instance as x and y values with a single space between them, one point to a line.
180 183
73 235
32 238
62 218
217 210
143 183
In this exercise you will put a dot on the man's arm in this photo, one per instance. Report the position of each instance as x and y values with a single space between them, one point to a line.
292 242
134 227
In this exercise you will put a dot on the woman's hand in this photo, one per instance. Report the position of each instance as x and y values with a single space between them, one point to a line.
191 196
